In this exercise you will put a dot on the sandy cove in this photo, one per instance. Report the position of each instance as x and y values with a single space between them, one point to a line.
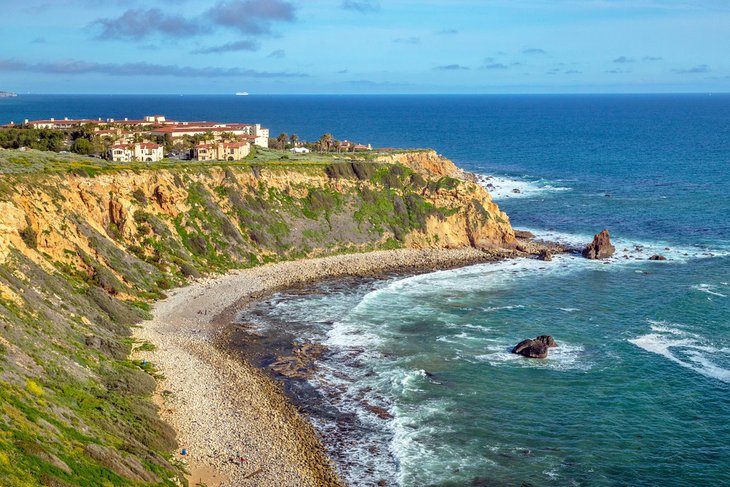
223 408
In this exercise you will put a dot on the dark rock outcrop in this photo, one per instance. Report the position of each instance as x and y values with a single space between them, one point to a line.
524 234
600 247
301 364
545 255
382 413
535 348
547 340
657 257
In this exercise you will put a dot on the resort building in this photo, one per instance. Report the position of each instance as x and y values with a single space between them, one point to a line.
140 152
65 123
256 134
223 151
159 125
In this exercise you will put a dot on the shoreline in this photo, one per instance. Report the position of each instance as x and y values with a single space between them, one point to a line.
223 408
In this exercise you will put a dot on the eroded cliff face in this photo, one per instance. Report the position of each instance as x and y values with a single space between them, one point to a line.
82 256
426 162
254 214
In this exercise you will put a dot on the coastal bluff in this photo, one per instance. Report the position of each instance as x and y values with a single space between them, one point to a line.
87 247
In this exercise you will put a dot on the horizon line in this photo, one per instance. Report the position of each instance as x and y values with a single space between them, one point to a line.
19 94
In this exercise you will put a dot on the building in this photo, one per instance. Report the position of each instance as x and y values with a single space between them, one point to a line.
257 134
116 135
140 152
347 146
222 151
52 123
123 131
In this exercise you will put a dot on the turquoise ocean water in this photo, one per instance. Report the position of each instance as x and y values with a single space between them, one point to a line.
638 392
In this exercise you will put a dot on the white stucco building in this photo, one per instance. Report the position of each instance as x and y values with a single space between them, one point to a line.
139 152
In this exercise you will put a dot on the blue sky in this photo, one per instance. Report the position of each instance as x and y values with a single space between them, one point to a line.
365 46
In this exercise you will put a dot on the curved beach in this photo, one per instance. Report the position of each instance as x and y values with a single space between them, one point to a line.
237 426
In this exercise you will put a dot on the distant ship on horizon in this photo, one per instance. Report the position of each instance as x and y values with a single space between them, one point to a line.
7 94
242 93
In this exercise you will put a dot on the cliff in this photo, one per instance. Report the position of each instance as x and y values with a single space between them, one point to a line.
86 247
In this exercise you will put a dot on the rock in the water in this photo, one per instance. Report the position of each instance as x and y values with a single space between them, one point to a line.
545 255
601 247
301 364
522 345
382 413
657 257
524 234
547 340
537 348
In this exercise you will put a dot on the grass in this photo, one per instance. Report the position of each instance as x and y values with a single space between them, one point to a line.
15 161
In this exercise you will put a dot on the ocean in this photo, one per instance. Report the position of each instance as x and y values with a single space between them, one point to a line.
638 391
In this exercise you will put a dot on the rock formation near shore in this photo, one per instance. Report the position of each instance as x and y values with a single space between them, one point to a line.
535 348
600 247
84 250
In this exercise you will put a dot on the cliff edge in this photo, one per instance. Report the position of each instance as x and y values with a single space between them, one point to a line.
86 247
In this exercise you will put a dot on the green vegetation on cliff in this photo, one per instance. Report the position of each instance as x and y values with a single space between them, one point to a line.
86 246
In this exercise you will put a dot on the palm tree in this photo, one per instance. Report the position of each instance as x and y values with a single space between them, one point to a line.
293 139
229 137
325 142
281 140
208 136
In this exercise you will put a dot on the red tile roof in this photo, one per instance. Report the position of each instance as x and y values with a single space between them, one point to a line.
63 121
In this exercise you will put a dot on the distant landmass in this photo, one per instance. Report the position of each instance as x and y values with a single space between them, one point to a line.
5 94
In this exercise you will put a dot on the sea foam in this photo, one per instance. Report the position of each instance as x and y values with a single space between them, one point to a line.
565 356
501 187
684 348
631 250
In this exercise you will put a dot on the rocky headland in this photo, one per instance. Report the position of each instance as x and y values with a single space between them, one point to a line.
87 247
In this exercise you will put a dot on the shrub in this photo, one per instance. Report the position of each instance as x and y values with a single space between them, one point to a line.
33 388
106 279
188 270
29 236
139 195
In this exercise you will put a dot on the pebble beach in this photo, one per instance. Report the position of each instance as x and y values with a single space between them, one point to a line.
235 423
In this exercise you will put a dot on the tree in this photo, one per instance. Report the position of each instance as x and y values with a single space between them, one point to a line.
281 140
230 137
293 138
82 146
168 142
325 142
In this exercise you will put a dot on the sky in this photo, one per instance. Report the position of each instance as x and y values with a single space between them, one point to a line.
364 46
